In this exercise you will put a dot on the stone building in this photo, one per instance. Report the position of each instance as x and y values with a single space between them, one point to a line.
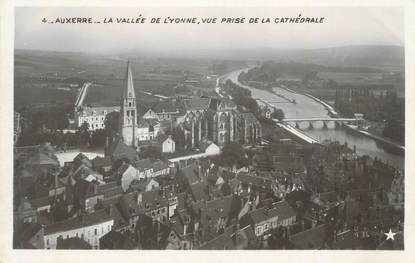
200 118
94 116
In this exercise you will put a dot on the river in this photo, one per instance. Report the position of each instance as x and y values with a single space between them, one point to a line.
306 107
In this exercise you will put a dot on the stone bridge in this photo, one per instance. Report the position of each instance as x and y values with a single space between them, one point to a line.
357 120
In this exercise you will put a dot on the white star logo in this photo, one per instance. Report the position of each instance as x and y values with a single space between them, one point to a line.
390 235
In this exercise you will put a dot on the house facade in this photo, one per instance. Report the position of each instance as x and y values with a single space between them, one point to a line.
89 227
93 116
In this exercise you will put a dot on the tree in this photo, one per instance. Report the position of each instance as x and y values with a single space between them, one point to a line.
178 137
98 138
278 114
83 134
151 152
112 123
232 154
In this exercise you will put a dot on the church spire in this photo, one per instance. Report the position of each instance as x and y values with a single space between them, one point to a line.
129 117
128 89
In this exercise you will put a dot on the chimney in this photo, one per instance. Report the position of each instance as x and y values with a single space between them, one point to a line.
111 209
184 229
56 182
95 188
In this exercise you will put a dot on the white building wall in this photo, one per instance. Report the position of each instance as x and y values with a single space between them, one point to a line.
90 234
168 146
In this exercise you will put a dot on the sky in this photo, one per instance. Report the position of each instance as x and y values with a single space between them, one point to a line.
342 26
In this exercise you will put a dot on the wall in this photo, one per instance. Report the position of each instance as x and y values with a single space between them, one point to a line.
87 233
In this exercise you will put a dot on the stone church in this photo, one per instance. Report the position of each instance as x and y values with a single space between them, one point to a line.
201 119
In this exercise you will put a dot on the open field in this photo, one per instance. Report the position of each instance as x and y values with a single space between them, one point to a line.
46 77
354 77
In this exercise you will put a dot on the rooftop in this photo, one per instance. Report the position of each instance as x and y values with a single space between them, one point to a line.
78 222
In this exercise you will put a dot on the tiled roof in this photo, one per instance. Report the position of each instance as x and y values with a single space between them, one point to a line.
27 230
101 161
152 200
90 111
168 106
211 211
190 173
78 222
159 165
282 210
116 240
232 238
143 164
313 238
119 150
129 205
40 202
255 180
153 234
196 103
146 123
110 189
199 191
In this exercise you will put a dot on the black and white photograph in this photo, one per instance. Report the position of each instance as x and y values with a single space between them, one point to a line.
208 128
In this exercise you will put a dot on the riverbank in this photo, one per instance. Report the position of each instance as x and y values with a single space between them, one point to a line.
332 112
352 128
328 107
307 107
378 138
296 132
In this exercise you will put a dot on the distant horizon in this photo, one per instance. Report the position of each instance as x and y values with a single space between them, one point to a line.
113 53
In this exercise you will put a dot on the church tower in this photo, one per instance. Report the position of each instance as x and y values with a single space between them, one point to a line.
128 117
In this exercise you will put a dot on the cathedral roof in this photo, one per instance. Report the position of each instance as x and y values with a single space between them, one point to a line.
197 103
168 106
226 104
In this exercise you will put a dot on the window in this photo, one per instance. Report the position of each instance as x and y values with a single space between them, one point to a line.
95 231
129 103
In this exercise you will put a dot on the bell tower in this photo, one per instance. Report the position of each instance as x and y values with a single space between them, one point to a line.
128 117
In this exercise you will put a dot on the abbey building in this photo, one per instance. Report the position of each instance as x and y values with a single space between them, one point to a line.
200 118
